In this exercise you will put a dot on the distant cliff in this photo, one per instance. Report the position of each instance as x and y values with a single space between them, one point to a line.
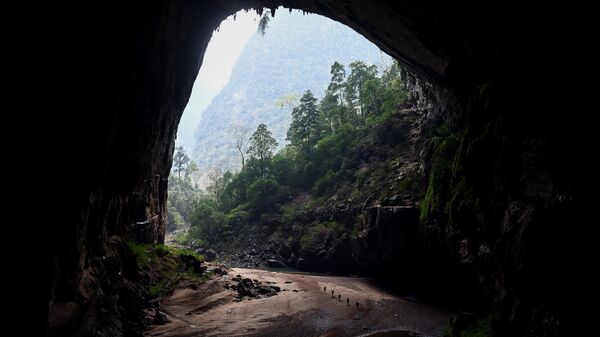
295 54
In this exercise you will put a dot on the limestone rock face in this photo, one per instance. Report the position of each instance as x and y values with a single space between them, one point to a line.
126 74
387 242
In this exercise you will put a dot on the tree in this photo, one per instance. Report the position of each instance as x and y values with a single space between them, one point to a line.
263 22
191 172
335 92
262 145
304 131
206 221
218 181
360 74
329 114
394 92
180 161
183 194
239 134
263 195
370 97
336 86
287 101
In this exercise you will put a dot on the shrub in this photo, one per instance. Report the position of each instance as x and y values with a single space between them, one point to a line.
263 195
141 252
206 220
318 235
326 183
237 218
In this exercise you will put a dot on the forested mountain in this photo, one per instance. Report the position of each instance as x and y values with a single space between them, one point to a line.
295 54
309 204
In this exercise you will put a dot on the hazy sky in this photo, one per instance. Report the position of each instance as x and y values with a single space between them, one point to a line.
223 50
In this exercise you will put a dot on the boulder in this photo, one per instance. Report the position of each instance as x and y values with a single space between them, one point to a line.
160 318
273 263
210 255
218 271
245 288
263 289
191 262
301 263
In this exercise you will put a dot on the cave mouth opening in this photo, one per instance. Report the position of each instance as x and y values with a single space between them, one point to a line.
145 63
326 96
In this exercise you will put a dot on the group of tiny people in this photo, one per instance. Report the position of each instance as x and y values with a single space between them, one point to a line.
339 297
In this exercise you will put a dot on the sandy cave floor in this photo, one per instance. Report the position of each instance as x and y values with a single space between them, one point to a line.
300 309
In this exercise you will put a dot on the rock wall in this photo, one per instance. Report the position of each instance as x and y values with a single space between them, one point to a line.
501 185
126 75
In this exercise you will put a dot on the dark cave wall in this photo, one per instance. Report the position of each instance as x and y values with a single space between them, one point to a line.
500 202
130 78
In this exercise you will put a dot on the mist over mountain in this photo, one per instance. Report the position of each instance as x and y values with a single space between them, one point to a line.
295 54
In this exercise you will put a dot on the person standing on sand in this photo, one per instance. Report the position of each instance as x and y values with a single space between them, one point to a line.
324 290
347 301
332 294
340 298
357 306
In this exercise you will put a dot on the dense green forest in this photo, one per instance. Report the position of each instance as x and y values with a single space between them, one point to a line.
271 74
346 148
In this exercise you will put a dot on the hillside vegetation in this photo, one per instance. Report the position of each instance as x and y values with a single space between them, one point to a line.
305 204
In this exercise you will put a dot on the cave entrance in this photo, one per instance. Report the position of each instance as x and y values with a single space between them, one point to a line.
282 154
301 162
133 74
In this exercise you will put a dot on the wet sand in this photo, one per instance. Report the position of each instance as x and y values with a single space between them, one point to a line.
300 309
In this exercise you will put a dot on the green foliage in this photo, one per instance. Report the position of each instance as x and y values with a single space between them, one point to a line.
288 101
294 55
180 161
165 269
161 250
263 195
163 266
318 235
238 217
481 328
175 217
219 184
285 168
362 88
206 219
331 150
262 145
183 191
304 132
330 143
288 212
325 183
141 252
178 251
445 147
183 195
392 90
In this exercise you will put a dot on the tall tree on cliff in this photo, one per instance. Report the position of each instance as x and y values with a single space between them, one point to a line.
180 161
262 145
333 102
239 134
304 132
358 85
